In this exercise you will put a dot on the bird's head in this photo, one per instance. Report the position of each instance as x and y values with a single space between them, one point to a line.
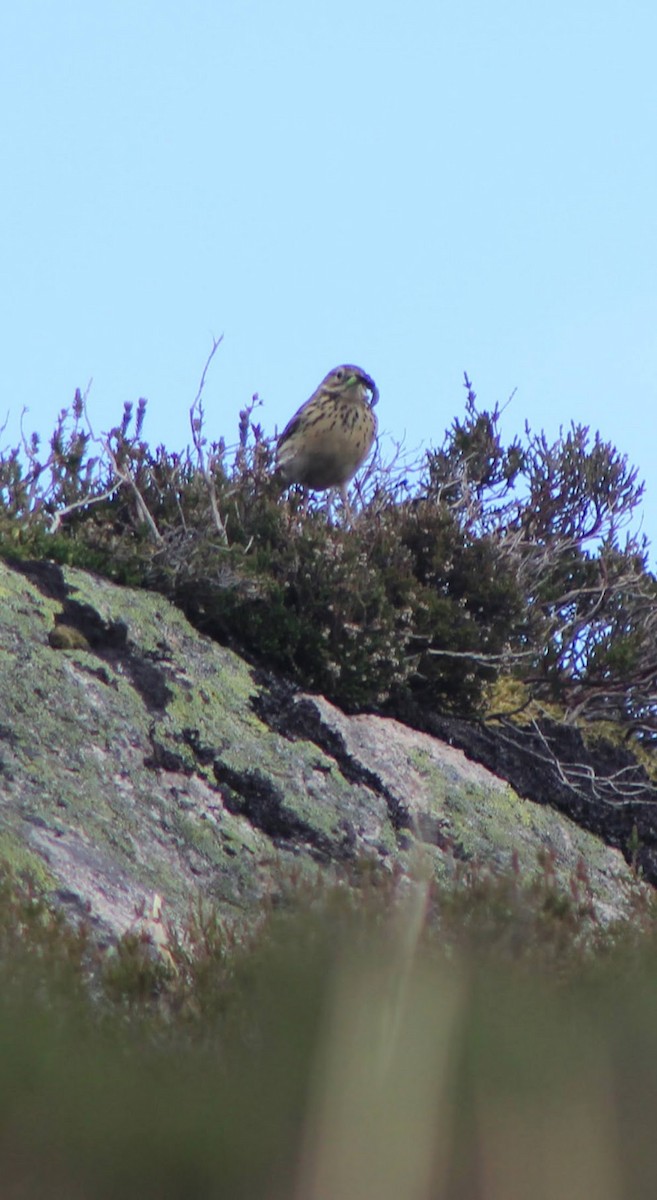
351 382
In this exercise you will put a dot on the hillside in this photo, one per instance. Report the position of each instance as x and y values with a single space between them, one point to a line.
140 759
486 595
327 847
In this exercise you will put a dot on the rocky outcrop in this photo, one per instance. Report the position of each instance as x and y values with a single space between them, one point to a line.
139 759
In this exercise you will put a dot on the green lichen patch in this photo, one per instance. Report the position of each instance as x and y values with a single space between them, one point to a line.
18 860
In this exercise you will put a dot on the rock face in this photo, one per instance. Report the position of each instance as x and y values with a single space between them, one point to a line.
139 759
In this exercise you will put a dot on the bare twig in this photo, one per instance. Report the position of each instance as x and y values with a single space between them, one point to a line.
197 419
126 478
504 658
85 502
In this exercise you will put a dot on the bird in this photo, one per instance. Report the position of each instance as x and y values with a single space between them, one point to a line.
331 435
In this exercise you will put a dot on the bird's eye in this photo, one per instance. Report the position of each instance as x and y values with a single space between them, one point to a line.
339 374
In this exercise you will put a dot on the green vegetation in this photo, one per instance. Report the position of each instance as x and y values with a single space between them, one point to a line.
479 563
389 1038
490 1040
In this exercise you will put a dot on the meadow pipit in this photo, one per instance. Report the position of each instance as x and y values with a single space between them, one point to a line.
331 435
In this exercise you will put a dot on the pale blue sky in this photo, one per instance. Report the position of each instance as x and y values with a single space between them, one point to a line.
422 189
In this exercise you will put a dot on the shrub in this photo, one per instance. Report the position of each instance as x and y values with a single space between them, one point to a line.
498 561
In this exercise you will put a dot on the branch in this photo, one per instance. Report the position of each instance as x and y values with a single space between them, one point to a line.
86 502
196 419
126 478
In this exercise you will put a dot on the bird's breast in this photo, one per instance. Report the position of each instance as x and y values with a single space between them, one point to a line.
328 445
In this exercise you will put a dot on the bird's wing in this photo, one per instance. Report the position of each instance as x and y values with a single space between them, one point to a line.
291 427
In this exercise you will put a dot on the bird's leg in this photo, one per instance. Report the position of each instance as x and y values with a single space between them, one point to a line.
329 506
345 504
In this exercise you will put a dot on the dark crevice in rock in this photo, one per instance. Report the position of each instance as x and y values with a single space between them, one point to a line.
108 640
163 759
534 763
71 899
277 707
48 577
101 635
250 794
148 680
204 754
99 673
7 735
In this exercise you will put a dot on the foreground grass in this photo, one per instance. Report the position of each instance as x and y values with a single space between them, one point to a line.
488 1042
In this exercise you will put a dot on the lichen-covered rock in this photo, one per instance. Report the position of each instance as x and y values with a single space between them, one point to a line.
139 759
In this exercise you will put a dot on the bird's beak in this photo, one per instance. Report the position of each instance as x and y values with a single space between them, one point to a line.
373 389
